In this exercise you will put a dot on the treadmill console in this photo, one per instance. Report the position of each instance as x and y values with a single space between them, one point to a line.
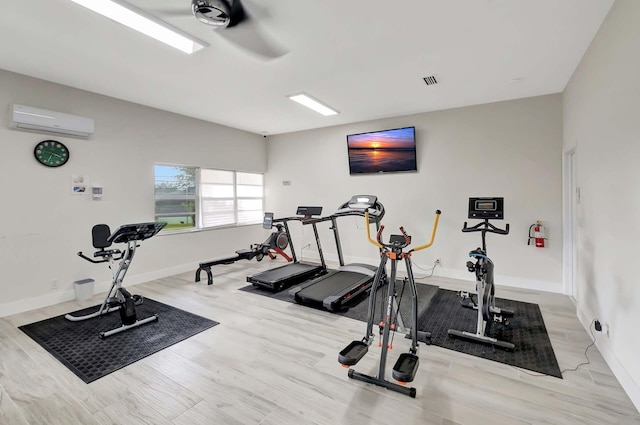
358 204
309 212
491 208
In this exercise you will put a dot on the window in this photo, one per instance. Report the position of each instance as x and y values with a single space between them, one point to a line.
175 193
191 197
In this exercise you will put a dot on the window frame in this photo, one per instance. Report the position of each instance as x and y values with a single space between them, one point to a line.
198 227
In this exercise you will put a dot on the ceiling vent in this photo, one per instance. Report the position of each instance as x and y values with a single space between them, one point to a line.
430 80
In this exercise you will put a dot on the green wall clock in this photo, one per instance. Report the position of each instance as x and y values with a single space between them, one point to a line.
51 153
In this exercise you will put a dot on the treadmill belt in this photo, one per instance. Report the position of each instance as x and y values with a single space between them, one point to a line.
280 273
332 284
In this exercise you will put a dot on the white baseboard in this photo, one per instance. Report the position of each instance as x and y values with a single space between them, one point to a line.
506 281
621 374
57 297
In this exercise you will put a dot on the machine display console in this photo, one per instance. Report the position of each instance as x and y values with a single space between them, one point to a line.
135 232
358 204
491 208
267 222
309 211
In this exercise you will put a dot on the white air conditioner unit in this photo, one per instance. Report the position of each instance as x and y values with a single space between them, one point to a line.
30 118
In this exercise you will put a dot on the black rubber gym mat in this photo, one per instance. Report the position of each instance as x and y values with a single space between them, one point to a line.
533 350
440 310
79 347
358 308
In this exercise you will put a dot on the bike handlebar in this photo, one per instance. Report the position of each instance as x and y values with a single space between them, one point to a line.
378 242
487 227
103 254
80 254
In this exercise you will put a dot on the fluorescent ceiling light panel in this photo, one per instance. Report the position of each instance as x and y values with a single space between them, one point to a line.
138 20
311 103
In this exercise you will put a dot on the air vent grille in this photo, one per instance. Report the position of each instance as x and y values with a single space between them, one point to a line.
430 80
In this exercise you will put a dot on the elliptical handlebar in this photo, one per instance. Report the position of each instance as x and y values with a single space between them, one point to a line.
485 226
379 235
433 233
407 239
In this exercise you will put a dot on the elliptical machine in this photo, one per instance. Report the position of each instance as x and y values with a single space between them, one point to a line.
118 298
406 366
484 301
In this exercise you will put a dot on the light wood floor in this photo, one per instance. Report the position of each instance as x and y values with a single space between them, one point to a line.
275 363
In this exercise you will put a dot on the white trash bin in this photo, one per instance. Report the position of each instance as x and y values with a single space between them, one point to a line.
84 289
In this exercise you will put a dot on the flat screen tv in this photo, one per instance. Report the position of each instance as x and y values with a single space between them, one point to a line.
384 151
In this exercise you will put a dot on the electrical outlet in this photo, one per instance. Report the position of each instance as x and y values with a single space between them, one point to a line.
437 262
597 326
54 284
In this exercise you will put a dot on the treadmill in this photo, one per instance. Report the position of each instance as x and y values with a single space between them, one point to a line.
335 288
293 273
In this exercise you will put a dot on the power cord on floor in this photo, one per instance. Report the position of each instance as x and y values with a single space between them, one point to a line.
593 341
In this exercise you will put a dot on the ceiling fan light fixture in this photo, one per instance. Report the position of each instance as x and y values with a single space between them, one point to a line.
141 21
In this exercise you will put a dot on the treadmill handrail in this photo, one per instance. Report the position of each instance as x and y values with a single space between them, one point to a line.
283 219
418 248
317 220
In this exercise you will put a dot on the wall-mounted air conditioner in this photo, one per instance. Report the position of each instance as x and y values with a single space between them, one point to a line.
30 118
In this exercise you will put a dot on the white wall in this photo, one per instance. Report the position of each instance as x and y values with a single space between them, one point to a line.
43 225
601 121
511 149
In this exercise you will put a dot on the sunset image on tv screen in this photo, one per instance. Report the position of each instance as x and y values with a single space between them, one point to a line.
382 151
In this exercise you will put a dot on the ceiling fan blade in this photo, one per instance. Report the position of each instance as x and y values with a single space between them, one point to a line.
256 10
251 37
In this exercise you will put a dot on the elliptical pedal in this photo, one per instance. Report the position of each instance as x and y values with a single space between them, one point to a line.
352 353
406 367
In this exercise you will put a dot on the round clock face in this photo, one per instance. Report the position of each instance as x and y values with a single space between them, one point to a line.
51 153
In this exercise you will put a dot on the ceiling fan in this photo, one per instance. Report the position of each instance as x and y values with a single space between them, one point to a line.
237 22
218 13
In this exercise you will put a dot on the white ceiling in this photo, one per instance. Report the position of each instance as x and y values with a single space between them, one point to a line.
365 58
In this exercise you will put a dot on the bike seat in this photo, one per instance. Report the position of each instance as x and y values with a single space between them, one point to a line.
477 251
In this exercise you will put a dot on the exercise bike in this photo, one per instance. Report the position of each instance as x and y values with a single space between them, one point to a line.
118 298
405 368
273 246
484 301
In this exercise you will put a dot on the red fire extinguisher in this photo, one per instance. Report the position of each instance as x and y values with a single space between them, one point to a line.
538 234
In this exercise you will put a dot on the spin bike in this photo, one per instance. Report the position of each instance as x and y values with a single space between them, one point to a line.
118 298
484 301
406 366
275 245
